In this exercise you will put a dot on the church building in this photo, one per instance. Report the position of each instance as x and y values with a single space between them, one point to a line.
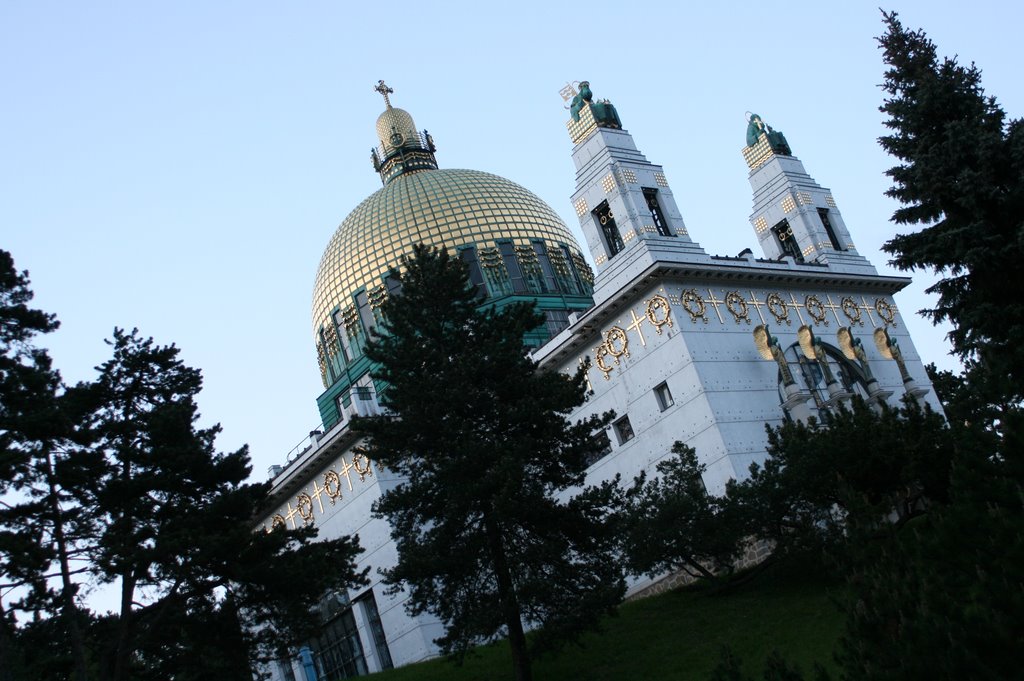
681 344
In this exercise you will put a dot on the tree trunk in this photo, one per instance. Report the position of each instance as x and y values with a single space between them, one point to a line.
704 572
123 649
509 603
69 608
6 649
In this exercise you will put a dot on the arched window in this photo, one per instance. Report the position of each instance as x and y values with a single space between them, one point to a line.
810 377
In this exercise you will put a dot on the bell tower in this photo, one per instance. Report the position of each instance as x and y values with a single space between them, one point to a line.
793 215
624 202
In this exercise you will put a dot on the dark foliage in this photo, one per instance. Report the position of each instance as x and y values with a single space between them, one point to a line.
961 176
671 523
859 470
177 523
111 481
44 527
488 536
776 668
941 598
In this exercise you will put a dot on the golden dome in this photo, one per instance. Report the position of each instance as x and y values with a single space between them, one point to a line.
450 208
394 121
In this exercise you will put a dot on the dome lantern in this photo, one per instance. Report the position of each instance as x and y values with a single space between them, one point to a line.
402 149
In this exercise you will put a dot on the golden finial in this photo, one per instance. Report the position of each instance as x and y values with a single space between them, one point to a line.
384 90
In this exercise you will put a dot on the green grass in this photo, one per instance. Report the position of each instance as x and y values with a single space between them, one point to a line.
679 635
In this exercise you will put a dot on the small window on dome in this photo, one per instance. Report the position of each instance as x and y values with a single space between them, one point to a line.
365 313
515 272
545 265
468 256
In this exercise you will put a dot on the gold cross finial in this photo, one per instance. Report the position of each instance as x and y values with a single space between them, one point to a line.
384 90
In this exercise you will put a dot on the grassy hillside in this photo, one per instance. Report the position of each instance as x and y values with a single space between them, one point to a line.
679 635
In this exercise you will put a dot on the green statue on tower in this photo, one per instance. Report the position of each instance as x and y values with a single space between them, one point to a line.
603 111
776 140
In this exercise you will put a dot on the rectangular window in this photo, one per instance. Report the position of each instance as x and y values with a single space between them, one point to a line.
339 327
787 240
338 650
380 642
623 430
660 223
555 321
664 396
332 359
827 223
363 392
284 667
515 272
545 265
365 312
572 269
393 285
606 222
605 444
339 402
468 256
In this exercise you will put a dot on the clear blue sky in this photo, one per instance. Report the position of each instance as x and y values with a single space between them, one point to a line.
180 167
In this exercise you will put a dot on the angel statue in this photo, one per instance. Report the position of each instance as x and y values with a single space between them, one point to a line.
853 349
768 346
890 349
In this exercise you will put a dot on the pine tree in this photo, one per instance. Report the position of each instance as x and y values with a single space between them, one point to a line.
488 536
943 600
111 481
43 526
178 536
858 473
671 523
961 177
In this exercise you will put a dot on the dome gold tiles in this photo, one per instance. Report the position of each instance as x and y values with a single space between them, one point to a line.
446 207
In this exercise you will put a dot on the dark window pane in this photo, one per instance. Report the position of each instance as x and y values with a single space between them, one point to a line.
605 448
339 327
572 268
508 254
380 642
545 265
823 214
606 222
623 430
664 396
660 223
468 256
339 652
555 321
365 312
787 240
